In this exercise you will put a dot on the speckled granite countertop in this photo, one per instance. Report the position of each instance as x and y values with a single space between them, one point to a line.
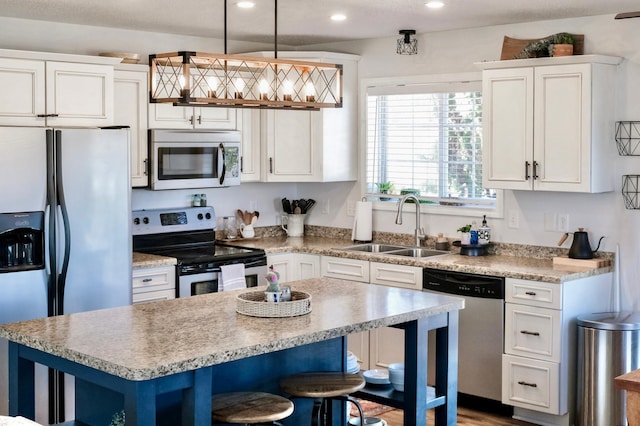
150 340
143 260
516 266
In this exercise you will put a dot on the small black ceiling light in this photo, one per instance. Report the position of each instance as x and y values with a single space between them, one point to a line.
407 44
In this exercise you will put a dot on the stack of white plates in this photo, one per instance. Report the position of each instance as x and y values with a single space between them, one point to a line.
352 363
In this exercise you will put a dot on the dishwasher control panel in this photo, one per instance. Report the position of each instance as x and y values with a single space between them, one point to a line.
463 284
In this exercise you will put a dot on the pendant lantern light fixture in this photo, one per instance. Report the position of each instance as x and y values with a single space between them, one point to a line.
208 79
407 43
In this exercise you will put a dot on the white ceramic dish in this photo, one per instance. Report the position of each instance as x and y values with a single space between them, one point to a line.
376 377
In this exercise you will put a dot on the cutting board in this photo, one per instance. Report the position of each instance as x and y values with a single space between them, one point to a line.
585 263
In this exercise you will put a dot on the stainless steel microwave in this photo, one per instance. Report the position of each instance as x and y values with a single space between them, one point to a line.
182 159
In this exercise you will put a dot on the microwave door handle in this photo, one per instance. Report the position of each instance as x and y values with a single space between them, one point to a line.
222 169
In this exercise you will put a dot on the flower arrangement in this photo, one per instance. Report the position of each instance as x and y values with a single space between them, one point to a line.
118 419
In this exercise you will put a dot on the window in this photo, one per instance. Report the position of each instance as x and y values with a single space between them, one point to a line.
427 139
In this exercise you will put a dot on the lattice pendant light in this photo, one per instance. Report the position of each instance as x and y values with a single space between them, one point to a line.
407 43
209 79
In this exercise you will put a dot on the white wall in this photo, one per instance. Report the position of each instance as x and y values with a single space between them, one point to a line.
444 52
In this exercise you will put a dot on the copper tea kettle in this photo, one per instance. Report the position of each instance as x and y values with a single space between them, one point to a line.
580 247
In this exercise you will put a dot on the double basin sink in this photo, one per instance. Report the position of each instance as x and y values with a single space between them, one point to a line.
394 250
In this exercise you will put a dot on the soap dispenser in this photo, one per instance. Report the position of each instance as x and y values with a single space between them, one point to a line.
484 232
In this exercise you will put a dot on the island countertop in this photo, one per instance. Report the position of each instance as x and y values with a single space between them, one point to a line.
146 341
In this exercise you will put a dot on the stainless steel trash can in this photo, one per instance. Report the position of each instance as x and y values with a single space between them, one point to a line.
608 346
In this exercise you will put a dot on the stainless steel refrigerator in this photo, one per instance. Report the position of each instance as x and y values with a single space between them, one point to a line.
65 235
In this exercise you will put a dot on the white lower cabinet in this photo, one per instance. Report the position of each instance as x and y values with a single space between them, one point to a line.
540 345
154 284
380 347
295 266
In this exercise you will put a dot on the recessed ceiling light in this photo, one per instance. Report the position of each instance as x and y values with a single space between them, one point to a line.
338 17
434 4
246 4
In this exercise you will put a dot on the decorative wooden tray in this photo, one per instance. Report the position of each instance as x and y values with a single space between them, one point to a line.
253 304
512 46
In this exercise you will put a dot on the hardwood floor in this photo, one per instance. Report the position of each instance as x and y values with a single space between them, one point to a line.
466 417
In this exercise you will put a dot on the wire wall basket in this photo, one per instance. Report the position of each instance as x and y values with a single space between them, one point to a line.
630 191
628 137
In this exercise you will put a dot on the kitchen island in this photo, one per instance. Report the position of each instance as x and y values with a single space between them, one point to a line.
158 359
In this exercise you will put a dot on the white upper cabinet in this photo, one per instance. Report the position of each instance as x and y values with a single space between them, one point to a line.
55 93
131 88
306 146
167 116
22 86
548 123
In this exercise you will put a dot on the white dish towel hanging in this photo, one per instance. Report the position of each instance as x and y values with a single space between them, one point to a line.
232 277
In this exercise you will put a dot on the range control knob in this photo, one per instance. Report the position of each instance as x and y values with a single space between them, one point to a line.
200 216
136 221
208 216
145 220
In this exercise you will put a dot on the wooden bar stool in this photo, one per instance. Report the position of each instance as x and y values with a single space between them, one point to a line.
249 408
323 387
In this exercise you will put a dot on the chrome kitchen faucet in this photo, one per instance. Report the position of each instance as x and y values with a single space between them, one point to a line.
419 233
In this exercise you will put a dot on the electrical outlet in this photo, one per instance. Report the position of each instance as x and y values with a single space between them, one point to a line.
253 205
351 208
325 207
563 222
513 219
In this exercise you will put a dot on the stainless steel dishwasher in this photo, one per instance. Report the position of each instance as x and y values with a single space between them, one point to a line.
481 329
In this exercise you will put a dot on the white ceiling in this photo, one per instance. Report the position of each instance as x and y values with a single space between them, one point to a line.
304 22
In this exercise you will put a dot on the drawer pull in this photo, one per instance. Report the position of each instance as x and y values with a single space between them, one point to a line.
533 385
531 333
530 293
147 280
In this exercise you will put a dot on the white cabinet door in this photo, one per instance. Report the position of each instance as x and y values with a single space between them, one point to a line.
79 94
249 124
130 98
22 85
154 284
307 265
167 116
282 264
507 110
292 142
562 127
396 275
386 347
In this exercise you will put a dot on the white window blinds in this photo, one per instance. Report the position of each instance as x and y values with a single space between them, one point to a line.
427 139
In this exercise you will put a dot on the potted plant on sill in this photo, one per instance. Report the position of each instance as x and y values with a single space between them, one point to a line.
385 188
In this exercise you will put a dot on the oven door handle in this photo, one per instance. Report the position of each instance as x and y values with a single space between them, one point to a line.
255 262
191 270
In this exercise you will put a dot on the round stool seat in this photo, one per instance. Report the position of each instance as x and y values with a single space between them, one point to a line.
249 407
322 384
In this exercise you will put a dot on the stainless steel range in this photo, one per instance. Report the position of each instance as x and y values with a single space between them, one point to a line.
188 234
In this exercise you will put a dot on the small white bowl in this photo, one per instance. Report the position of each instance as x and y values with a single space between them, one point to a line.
376 377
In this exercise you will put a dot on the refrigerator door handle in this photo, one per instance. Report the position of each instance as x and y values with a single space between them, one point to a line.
47 249
64 222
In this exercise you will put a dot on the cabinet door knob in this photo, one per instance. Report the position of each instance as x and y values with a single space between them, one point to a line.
530 333
535 170
270 164
47 115
526 170
530 293
523 383
147 280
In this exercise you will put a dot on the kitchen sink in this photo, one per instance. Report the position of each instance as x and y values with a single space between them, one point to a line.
396 250
374 248
418 252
